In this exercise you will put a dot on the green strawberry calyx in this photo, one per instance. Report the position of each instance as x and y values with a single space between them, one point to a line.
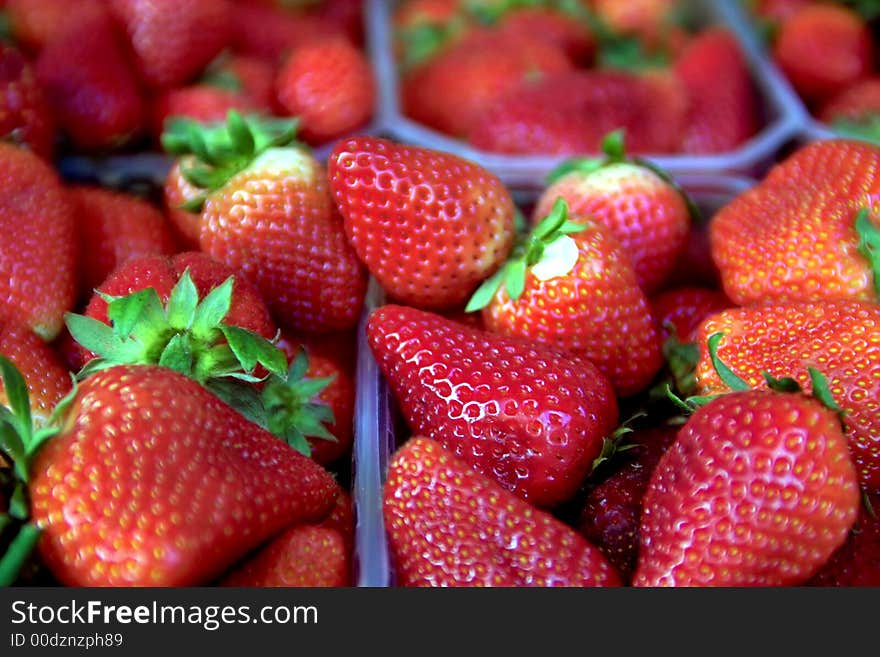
820 389
548 252
187 334
20 441
869 243
224 149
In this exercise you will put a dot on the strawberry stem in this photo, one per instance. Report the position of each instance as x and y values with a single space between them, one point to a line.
17 553
727 375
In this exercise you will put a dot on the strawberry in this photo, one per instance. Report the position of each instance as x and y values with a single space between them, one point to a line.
785 339
855 111
451 90
758 489
569 113
558 27
91 87
328 85
178 195
570 285
822 49
447 223
113 227
36 23
777 11
38 275
45 375
857 561
338 396
644 208
205 486
253 77
342 518
801 233
302 556
268 213
680 311
612 507
721 117
421 28
648 20
205 103
526 415
448 525
173 42
25 118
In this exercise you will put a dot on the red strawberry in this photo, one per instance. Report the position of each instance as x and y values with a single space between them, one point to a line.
758 489
642 206
251 76
342 518
451 526
797 234
680 311
452 89
203 485
422 27
840 338
177 195
571 35
46 376
721 117
25 117
36 23
447 223
201 102
571 286
38 275
855 111
302 556
822 49
857 561
113 227
91 87
530 417
328 85
173 42
569 113
612 508
648 20
338 396
778 10
268 213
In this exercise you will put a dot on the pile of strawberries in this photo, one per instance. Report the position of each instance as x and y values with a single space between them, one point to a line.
88 76
828 51
553 76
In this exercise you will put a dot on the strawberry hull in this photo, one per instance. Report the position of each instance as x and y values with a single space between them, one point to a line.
778 113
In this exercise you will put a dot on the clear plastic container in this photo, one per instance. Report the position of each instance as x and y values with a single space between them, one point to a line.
377 423
783 116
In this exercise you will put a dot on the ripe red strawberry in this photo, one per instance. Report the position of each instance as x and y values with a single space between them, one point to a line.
342 518
570 285
44 373
778 10
25 118
268 213
36 23
758 489
421 28
201 102
797 234
113 227
302 556
448 525
451 90
447 223
855 110
178 194
857 561
253 77
174 42
571 35
569 113
822 49
648 20
203 485
642 206
680 311
328 85
38 275
91 87
338 396
840 338
530 417
721 117
612 508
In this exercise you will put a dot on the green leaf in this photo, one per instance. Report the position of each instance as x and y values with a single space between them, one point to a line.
869 243
295 438
240 132
98 337
212 310
41 437
730 379
310 388
554 220
822 391
251 349
298 366
127 312
178 355
613 145
17 553
583 166
243 397
17 395
181 307
785 384
484 294
18 503
61 408
13 446
515 280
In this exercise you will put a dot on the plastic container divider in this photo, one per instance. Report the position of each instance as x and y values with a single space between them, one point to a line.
783 116
375 435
